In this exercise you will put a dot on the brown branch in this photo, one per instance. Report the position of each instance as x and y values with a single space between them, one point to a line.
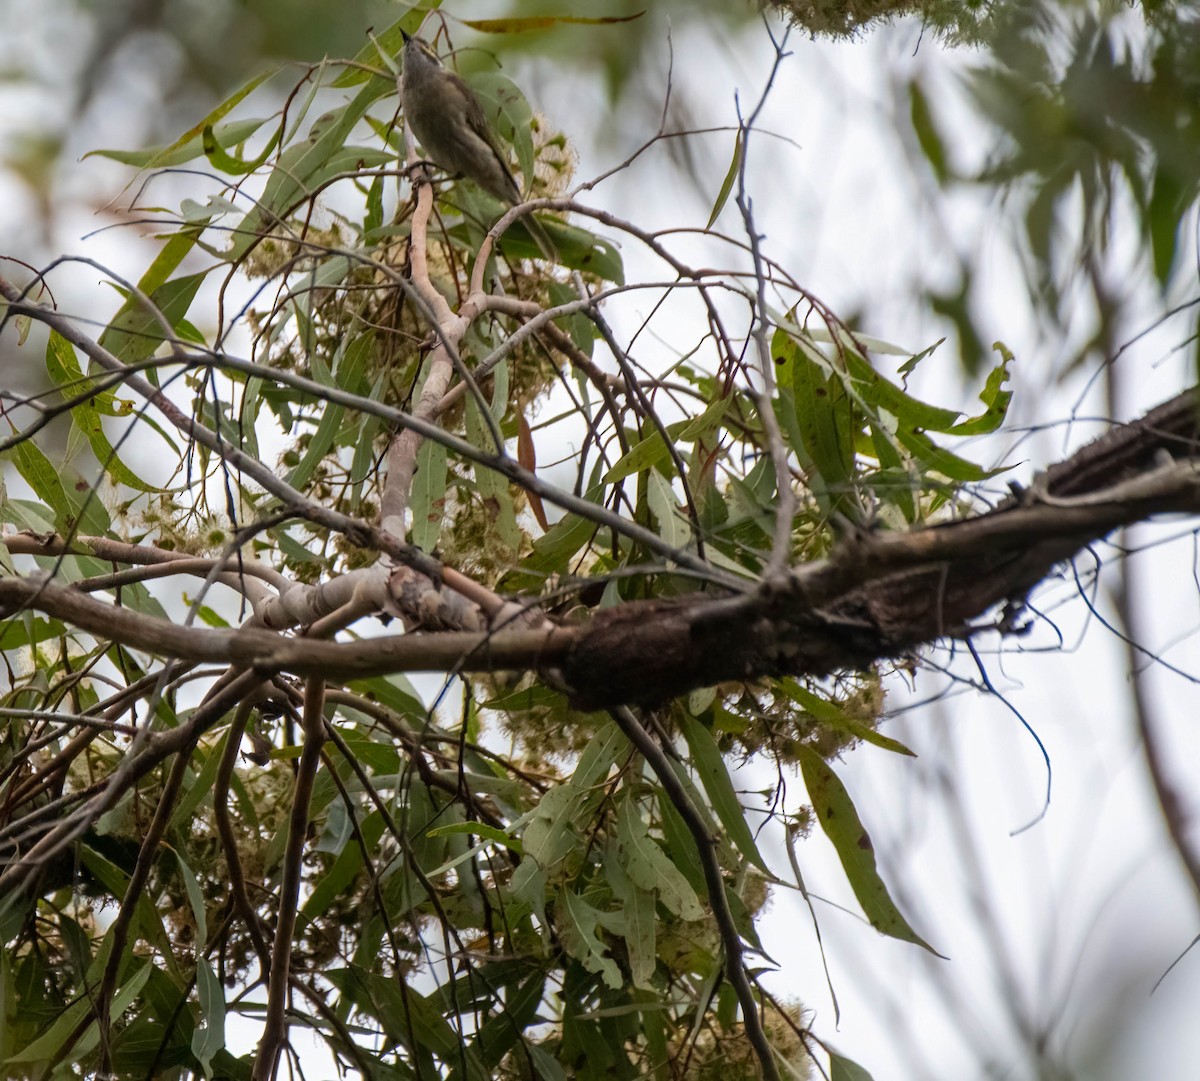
244 575
228 836
275 1026
403 447
158 746
119 932
1171 804
883 595
879 595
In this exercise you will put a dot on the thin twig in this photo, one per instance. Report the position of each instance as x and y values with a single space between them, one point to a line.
228 837
275 1025
764 400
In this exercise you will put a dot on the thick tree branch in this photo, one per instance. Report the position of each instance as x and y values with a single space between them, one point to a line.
880 595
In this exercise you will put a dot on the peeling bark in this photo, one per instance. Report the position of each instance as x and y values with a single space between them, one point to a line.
881 596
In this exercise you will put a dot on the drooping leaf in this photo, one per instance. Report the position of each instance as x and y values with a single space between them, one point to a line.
523 24
650 453
714 776
638 913
188 145
77 509
993 396
305 165
137 331
829 713
209 1039
928 136
839 819
731 175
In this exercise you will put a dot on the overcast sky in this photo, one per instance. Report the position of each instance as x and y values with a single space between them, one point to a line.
1056 921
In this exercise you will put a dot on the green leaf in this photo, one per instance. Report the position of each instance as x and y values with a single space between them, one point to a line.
844 1069
230 164
373 218
824 422
651 452
76 509
552 829
395 692
304 165
577 929
909 366
196 899
52 1040
835 811
493 486
832 715
480 829
673 527
63 368
880 393
509 113
415 1021
581 250
1162 216
928 136
520 25
934 459
136 332
731 175
993 396
688 431
199 785
329 427
209 1039
714 776
390 40
551 834
504 1027
598 756
146 923
555 549
680 843
650 867
638 911
189 144
345 869
25 630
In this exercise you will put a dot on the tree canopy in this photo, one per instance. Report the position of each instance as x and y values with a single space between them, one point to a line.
657 535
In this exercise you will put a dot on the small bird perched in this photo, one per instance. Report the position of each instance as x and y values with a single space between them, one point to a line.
448 121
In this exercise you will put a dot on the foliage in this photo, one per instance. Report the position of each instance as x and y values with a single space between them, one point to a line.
1094 120
500 884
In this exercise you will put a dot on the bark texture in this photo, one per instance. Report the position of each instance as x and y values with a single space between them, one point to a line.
881 596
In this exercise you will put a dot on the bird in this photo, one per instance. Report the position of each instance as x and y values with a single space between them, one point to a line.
448 121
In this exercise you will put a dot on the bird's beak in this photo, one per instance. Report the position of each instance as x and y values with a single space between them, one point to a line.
406 36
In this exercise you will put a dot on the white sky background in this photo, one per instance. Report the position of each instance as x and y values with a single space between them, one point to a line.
1065 926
